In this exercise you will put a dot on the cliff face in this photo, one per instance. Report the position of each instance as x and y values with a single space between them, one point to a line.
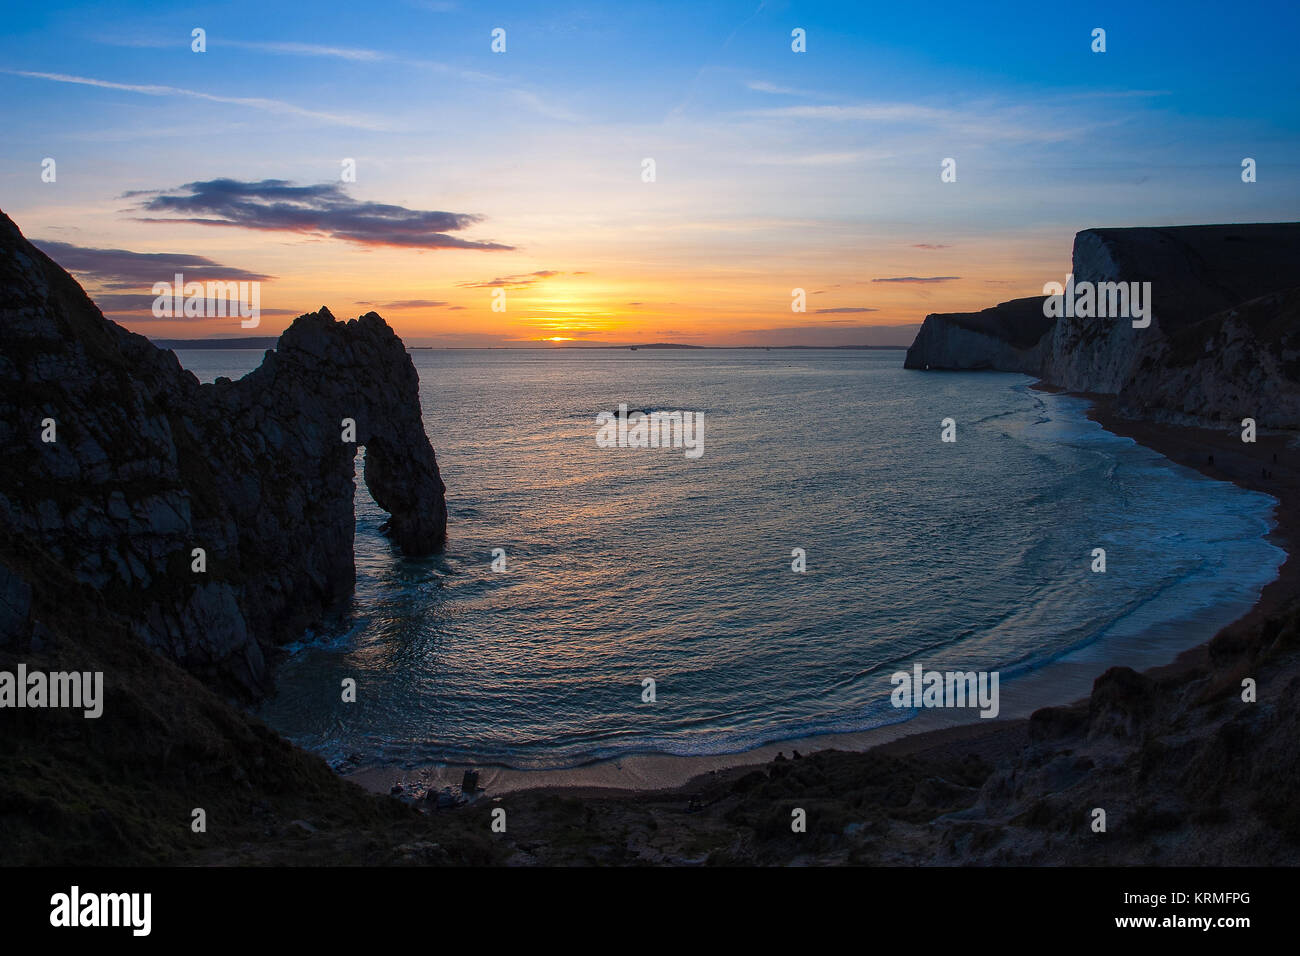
147 465
1243 361
1006 338
1198 275
1194 271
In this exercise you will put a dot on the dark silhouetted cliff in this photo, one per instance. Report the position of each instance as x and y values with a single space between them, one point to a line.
148 464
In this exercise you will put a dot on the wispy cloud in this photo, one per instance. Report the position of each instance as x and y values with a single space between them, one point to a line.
294 48
887 112
844 309
762 86
987 121
123 269
351 54
922 279
824 159
250 102
311 49
513 282
277 205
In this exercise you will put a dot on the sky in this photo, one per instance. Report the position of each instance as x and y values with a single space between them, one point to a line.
519 179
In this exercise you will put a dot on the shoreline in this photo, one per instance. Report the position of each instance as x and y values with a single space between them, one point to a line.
1066 681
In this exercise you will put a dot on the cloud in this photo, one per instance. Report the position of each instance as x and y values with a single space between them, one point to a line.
872 112
252 102
311 49
353 55
324 209
918 279
975 122
762 86
122 269
512 282
824 159
929 245
139 306
841 310
411 304
291 48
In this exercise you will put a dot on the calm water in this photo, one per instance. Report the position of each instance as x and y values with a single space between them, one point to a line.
626 564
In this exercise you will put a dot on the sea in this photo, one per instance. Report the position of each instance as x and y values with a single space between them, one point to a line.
597 602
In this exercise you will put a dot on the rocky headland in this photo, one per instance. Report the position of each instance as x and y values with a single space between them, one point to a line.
119 464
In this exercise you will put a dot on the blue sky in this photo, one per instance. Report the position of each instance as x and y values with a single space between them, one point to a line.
774 169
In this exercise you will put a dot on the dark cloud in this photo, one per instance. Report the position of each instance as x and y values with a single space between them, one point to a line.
412 304
840 310
122 269
919 279
513 282
277 205
929 245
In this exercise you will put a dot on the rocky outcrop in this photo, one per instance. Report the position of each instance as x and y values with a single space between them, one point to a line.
1202 278
1007 337
119 464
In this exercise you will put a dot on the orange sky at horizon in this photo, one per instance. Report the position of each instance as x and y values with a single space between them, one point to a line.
653 301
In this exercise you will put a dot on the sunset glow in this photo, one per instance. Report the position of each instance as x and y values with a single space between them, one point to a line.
414 172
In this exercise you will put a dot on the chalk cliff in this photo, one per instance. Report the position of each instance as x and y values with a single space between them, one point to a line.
1007 337
147 464
1201 279
1242 362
